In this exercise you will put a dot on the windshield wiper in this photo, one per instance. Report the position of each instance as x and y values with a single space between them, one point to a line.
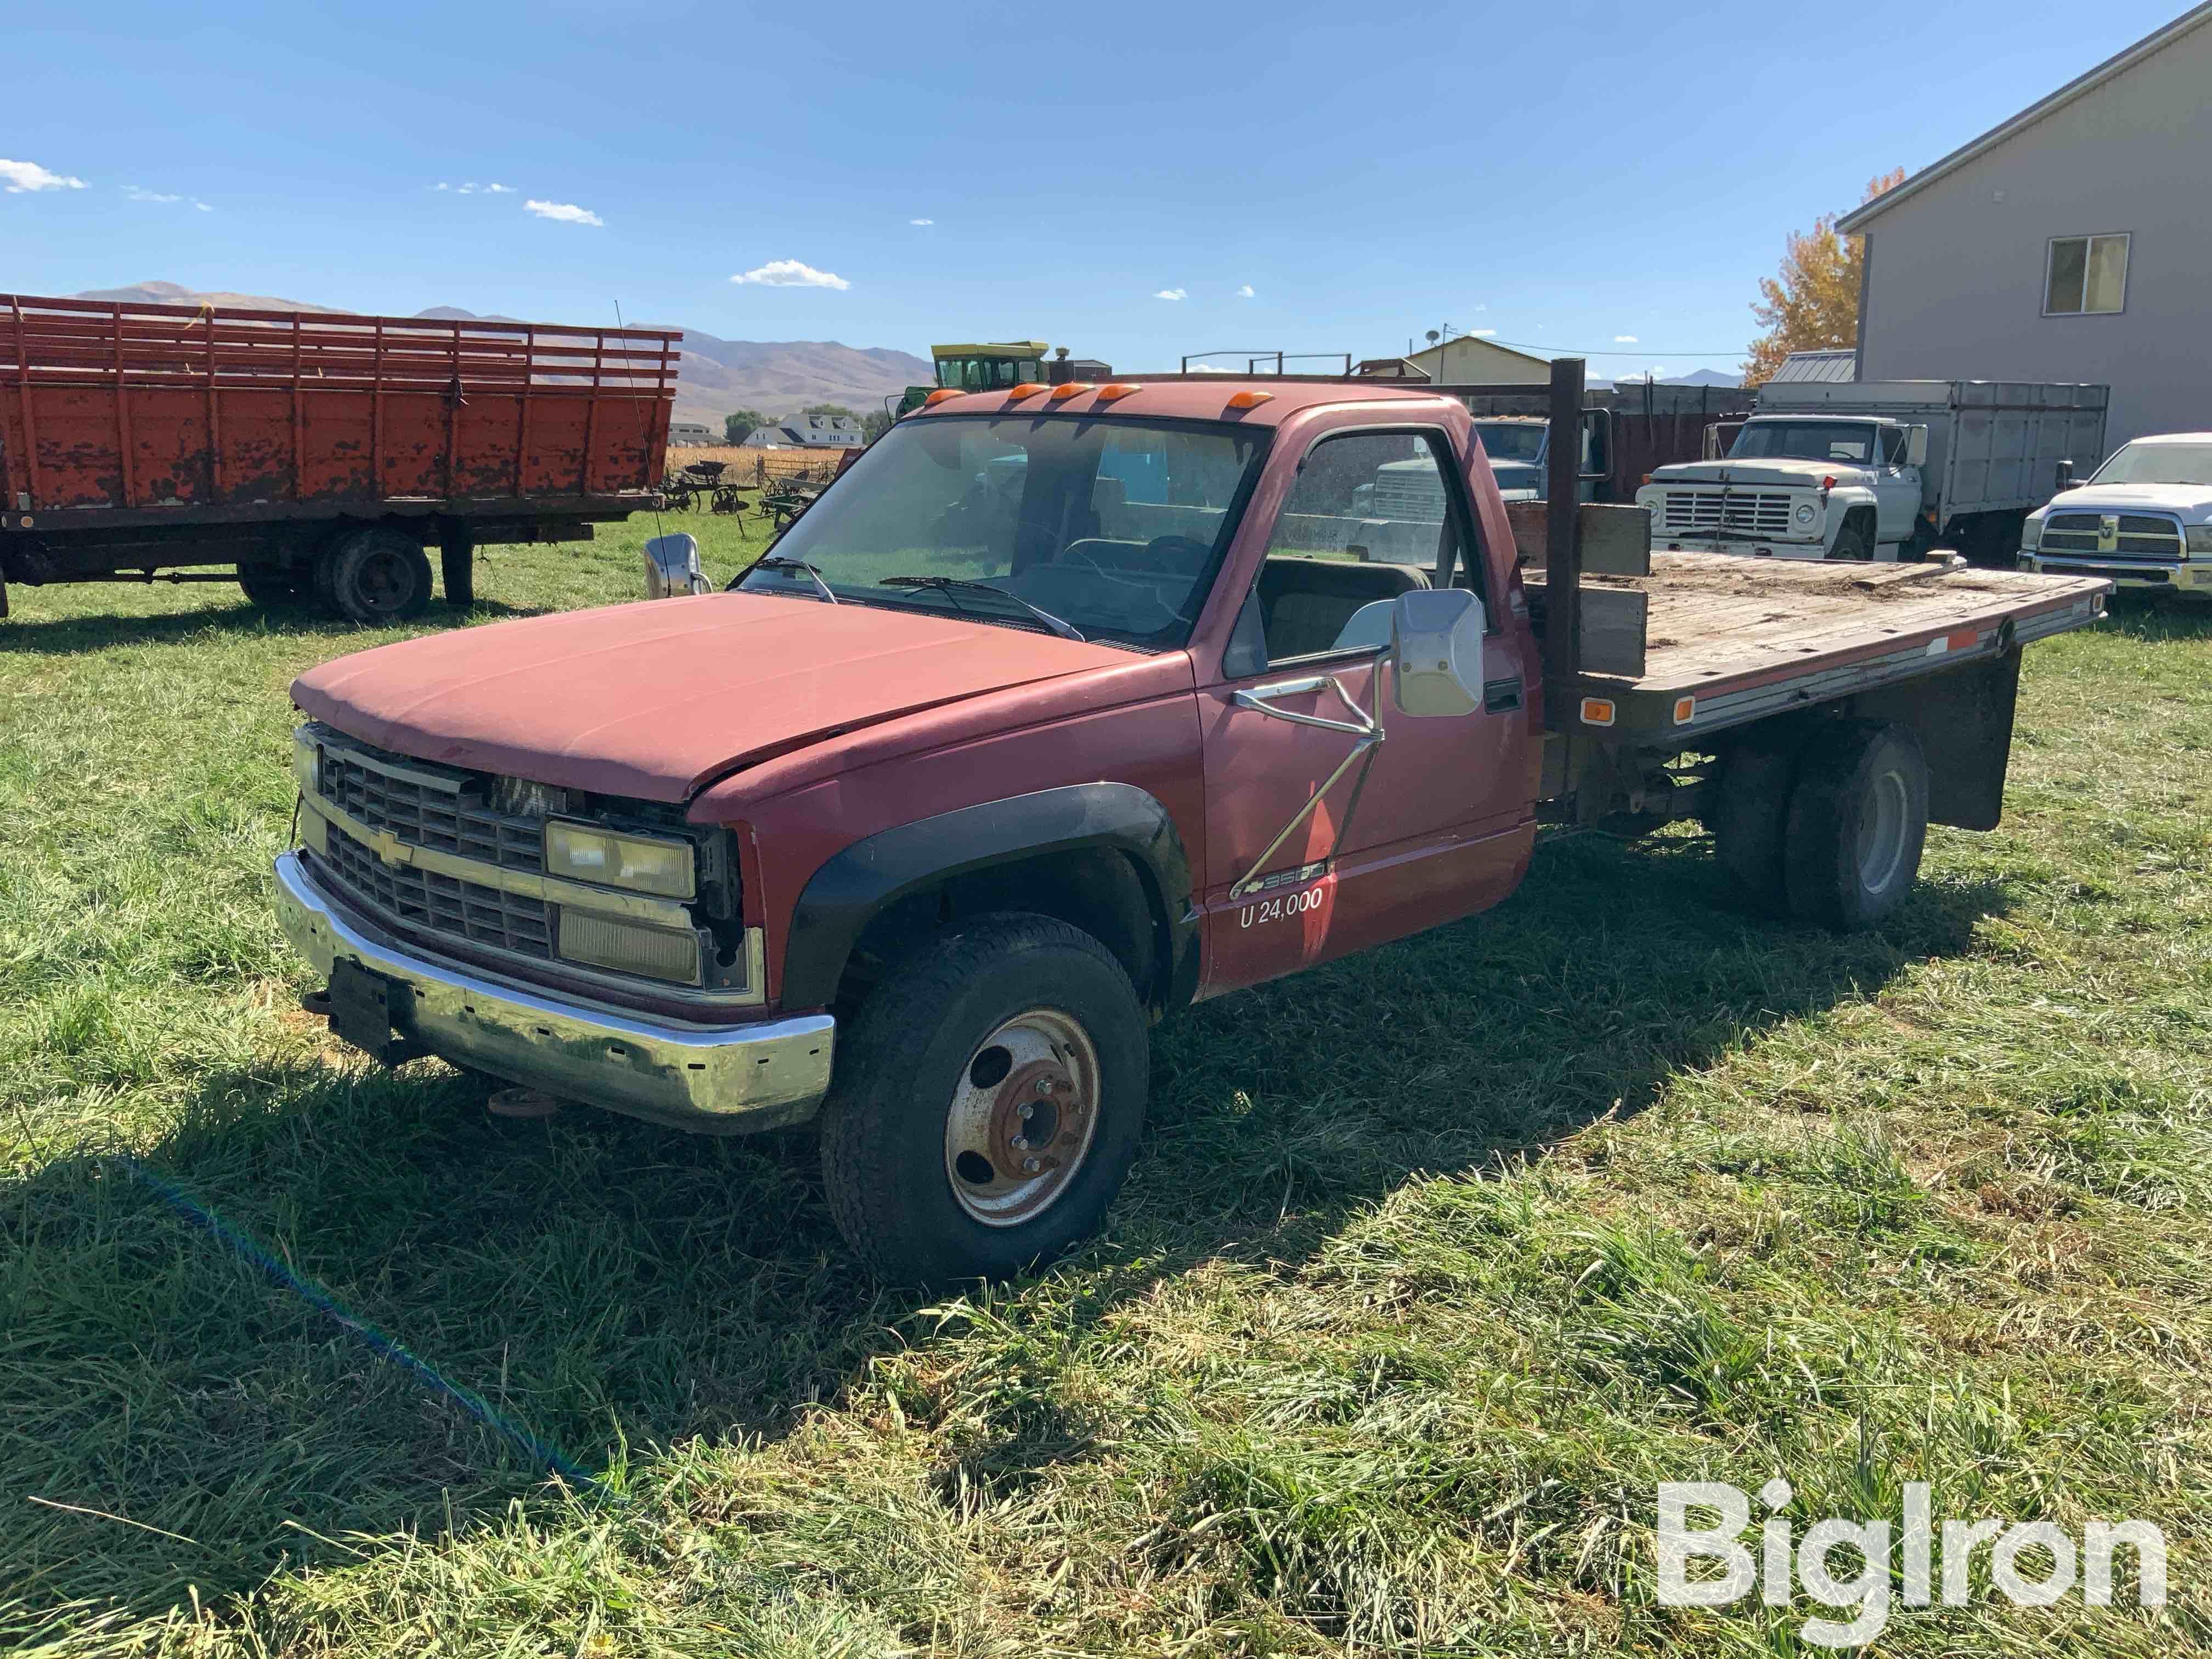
949 585
778 561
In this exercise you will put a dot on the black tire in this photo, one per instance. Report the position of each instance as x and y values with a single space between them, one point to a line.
1858 820
378 577
919 1075
265 584
1751 809
1851 543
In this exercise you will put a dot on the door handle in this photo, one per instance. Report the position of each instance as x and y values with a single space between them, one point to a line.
1501 697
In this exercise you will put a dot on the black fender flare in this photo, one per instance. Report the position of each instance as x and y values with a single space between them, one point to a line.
852 888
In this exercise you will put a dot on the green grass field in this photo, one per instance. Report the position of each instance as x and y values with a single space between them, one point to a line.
1436 1261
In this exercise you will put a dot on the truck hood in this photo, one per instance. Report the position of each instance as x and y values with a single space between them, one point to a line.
1514 476
1795 475
654 701
2191 502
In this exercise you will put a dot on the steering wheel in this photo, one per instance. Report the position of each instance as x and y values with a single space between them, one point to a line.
1162 549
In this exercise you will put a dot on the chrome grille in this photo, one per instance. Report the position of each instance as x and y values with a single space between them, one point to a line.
427 806
2135 535
1420 498
1754 512
441 904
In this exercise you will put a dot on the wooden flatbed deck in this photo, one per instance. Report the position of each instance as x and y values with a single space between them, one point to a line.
1741 638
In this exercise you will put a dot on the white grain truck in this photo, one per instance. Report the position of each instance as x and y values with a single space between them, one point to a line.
1878 468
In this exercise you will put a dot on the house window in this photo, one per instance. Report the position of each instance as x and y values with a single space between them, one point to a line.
2086 274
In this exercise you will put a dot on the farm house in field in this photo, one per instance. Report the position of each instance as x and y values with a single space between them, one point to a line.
691 434
2068 244
808 432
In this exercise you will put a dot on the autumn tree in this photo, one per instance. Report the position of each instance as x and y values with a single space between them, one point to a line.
1814 303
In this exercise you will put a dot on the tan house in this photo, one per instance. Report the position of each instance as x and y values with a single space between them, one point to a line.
1466 361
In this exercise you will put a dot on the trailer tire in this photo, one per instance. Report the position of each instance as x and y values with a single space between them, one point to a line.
1751 810
1858 822
990 1018
378 576
268 584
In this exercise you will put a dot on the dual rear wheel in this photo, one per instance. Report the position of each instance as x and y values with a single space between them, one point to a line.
375 575
1825 820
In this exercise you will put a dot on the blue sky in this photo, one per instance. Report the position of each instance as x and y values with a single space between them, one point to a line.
1314 178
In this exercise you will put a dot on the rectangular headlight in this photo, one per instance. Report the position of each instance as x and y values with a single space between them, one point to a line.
306 761
577 852
630 947
2200 539
2030 533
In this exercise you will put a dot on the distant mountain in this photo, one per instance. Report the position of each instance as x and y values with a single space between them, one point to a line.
715 377
169 293
1704 377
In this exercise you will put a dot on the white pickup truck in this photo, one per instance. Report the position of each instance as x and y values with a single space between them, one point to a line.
2143 521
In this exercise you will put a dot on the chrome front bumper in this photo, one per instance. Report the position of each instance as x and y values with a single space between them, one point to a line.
728 1079
2190 576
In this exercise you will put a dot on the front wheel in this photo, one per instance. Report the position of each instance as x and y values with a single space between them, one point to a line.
988 1101
1851 544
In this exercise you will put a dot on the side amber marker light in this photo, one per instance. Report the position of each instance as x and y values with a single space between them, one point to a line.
1249 399
1685 710
1597 711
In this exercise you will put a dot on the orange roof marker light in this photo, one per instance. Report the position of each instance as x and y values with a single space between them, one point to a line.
939 396
1060 394
1027 389
1108 393
1249 399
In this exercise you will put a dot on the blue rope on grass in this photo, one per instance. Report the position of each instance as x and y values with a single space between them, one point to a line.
384 1347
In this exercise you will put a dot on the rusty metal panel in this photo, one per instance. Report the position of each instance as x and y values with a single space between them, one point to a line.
107 405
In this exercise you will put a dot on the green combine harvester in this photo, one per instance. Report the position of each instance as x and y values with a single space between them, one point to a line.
993 367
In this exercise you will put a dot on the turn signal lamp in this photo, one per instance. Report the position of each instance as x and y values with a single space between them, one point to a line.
939 396
1249 399
1597 711
1060 394
1108 394
1685 710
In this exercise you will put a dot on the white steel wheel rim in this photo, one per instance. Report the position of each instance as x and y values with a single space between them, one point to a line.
1881 832
1021 1119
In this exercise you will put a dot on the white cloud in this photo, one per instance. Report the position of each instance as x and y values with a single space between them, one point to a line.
1624 339
791 273
441 184
29 175
501 190
1171 294
1245 292
1482 334
1210 368
566 213
921 221
140 193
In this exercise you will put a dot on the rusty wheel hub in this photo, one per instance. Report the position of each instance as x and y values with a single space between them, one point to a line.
1021 1119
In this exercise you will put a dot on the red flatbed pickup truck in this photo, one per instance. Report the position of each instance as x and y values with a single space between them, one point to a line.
1064 707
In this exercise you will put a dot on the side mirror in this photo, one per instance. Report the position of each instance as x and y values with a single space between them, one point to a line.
2062 476
1435 651
672 566
1915 446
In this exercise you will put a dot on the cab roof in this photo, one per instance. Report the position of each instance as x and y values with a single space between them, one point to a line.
1206 399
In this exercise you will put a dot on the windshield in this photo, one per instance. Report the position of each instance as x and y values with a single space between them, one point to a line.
1114 526
1805 441
2158 464
1512 440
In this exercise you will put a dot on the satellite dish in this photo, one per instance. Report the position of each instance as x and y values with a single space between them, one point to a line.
1432 337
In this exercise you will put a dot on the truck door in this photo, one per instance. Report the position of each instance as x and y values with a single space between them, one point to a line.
1896 487
1334 822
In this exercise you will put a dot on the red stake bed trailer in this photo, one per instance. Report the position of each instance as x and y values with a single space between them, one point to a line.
314 452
